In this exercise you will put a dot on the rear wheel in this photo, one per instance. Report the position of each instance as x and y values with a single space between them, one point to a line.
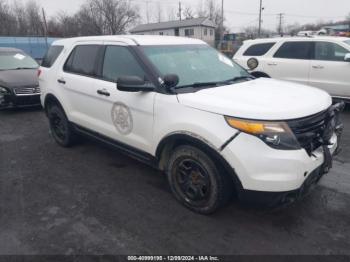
196 182
60 127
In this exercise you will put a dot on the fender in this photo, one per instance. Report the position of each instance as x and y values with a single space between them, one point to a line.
175 139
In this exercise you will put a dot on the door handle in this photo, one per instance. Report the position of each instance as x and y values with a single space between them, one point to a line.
103 92
272 64
61 81
318 67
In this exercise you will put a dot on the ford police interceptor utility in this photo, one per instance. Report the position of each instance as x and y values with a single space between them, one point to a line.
181 106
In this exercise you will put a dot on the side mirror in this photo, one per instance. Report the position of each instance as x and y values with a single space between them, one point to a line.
171 80
347 57
133 84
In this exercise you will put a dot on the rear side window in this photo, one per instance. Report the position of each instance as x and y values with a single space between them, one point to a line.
295 50
51 56
83 60
119 61
258 49
326 51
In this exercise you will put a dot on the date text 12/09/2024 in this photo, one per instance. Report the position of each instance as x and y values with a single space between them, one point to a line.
173 258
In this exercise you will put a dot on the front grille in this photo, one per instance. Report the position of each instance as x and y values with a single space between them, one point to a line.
27 90
27 100
310 131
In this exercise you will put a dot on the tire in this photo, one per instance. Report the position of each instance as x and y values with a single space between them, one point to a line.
196 182
60 127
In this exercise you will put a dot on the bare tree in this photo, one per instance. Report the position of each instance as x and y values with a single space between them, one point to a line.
112 17
172 13
201 10
188 13
34 19
159 13
7 19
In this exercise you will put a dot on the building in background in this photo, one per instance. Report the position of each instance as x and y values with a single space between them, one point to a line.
201 28
36 47
338 30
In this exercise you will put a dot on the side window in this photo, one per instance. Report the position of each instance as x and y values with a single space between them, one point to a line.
189 32
83 60
119 61
258 49
295 50
51 55
327 51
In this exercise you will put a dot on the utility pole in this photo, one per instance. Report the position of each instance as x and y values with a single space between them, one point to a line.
147 11
45 27
180 11
260 18
280 24
222 21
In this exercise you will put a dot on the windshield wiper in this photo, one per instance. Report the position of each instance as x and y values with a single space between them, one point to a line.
204 84
199 84
238 78
23 68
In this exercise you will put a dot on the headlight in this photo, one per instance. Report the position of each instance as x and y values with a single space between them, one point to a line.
3 91
277 135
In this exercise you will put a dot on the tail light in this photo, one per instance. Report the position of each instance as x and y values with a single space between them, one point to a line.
39 72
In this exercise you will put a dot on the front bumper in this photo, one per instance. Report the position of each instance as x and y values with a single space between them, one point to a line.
264 169
14 101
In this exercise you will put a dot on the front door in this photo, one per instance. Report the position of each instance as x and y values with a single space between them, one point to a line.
123 116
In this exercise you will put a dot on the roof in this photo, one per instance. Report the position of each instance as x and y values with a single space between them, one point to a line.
201 21
297 38
134 40
9 50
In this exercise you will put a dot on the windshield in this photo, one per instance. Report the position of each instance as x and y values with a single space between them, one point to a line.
193 63
347 42
14 60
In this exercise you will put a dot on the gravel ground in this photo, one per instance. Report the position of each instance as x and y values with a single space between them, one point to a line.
93 200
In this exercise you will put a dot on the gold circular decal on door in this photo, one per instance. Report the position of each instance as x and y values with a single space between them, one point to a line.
122 118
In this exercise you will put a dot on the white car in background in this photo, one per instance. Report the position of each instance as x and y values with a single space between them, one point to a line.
322 62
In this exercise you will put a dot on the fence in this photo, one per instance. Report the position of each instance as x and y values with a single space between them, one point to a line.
36 47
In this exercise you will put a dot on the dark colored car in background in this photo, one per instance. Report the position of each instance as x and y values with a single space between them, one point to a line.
19 86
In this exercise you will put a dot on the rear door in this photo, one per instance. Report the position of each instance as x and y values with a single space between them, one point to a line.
291 62
329 71
76 81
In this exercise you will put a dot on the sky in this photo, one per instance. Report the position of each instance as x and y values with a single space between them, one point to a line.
238 13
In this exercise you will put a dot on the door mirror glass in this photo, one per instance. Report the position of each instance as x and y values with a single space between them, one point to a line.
133 84
347 57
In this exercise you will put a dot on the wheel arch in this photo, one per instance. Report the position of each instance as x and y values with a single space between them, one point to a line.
259 74
50 98
172 141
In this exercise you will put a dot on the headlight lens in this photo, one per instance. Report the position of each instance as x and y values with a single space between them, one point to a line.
277 135
3 91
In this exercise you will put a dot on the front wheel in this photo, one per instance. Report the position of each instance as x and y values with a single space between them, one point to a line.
60 127
196 181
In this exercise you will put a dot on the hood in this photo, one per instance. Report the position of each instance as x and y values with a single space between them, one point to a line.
17 78
260 99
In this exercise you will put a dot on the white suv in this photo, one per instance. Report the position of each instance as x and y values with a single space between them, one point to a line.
186 109
322 62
